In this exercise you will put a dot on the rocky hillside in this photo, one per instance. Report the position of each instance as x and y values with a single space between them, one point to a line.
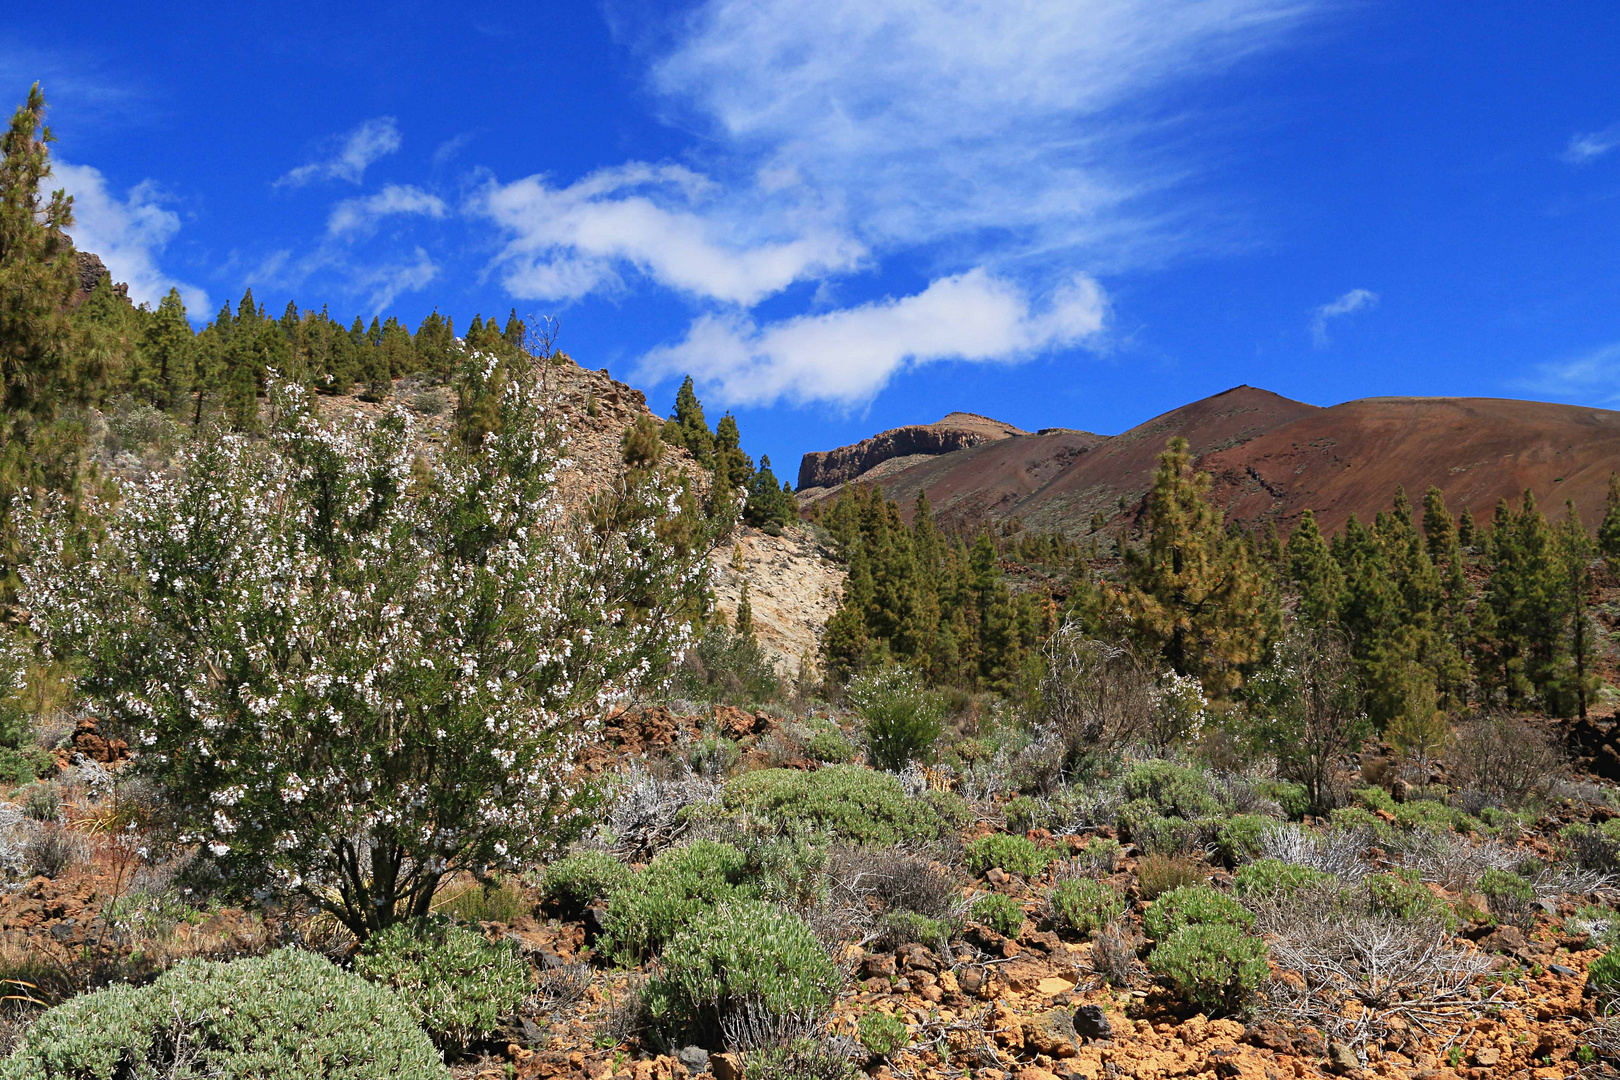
1272 458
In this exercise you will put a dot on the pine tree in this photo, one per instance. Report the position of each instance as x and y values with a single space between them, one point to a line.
166 350
732 468
1191 592
1314 572
1574 550
1609 530
745 612
687 426
770 505
1465 529
43 357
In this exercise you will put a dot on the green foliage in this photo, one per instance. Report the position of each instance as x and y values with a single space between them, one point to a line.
1294 798
1597 925
450 980
739 953
1172 790
574 881
847 802
1402 895
1000 913
903 718
1266 879
1193 905
1354 817
25 765
1191 589
290 1015
935 603
1375 798
47 363
883 1033
770 504
1215 966
1085 905
1158 835
1603 975
730 668
828 743
1238 837
898 928
647 909
42 803
800 1059
1506 892
1014 854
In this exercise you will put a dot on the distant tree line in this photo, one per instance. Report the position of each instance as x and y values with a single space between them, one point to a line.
1443 615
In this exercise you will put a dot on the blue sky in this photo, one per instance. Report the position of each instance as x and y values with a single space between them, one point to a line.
853 214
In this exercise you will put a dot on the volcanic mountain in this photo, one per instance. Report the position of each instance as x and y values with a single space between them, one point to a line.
1270 457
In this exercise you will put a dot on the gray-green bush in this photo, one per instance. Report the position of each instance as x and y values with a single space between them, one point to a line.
740 954
847 802
454 983
291 1015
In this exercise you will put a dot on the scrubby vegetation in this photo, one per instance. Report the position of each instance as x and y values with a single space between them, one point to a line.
291 683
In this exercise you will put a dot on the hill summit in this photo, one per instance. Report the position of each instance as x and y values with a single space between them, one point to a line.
1270 458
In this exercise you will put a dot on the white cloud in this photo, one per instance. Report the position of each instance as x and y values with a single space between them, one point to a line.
848 356
1001 145
129 233
1591 376
1021 127
359 216
1589 146
1352 301
366 144
383 283
567 242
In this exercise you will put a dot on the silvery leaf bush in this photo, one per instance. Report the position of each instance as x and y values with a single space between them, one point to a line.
354 675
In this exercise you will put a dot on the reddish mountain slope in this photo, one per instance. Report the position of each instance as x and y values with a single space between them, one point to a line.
1272 457
1350 458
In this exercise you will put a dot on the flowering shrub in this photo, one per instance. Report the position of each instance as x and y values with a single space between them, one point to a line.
353 679
903 718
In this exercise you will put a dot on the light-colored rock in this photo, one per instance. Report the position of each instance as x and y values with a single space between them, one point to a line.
793 589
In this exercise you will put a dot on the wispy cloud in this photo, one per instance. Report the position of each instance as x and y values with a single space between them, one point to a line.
1591 145
1352 301
1590 376
366 144
1000 143
128 233
360 216
846 356
658 221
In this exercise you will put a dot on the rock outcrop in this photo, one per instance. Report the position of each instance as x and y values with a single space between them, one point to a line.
958 431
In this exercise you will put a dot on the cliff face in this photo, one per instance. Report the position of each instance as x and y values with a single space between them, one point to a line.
958 431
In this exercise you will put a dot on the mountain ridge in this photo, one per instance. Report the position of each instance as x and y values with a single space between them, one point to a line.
1271 457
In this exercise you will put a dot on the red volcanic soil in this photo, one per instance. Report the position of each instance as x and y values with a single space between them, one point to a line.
1271 458
1350 458
1058 478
